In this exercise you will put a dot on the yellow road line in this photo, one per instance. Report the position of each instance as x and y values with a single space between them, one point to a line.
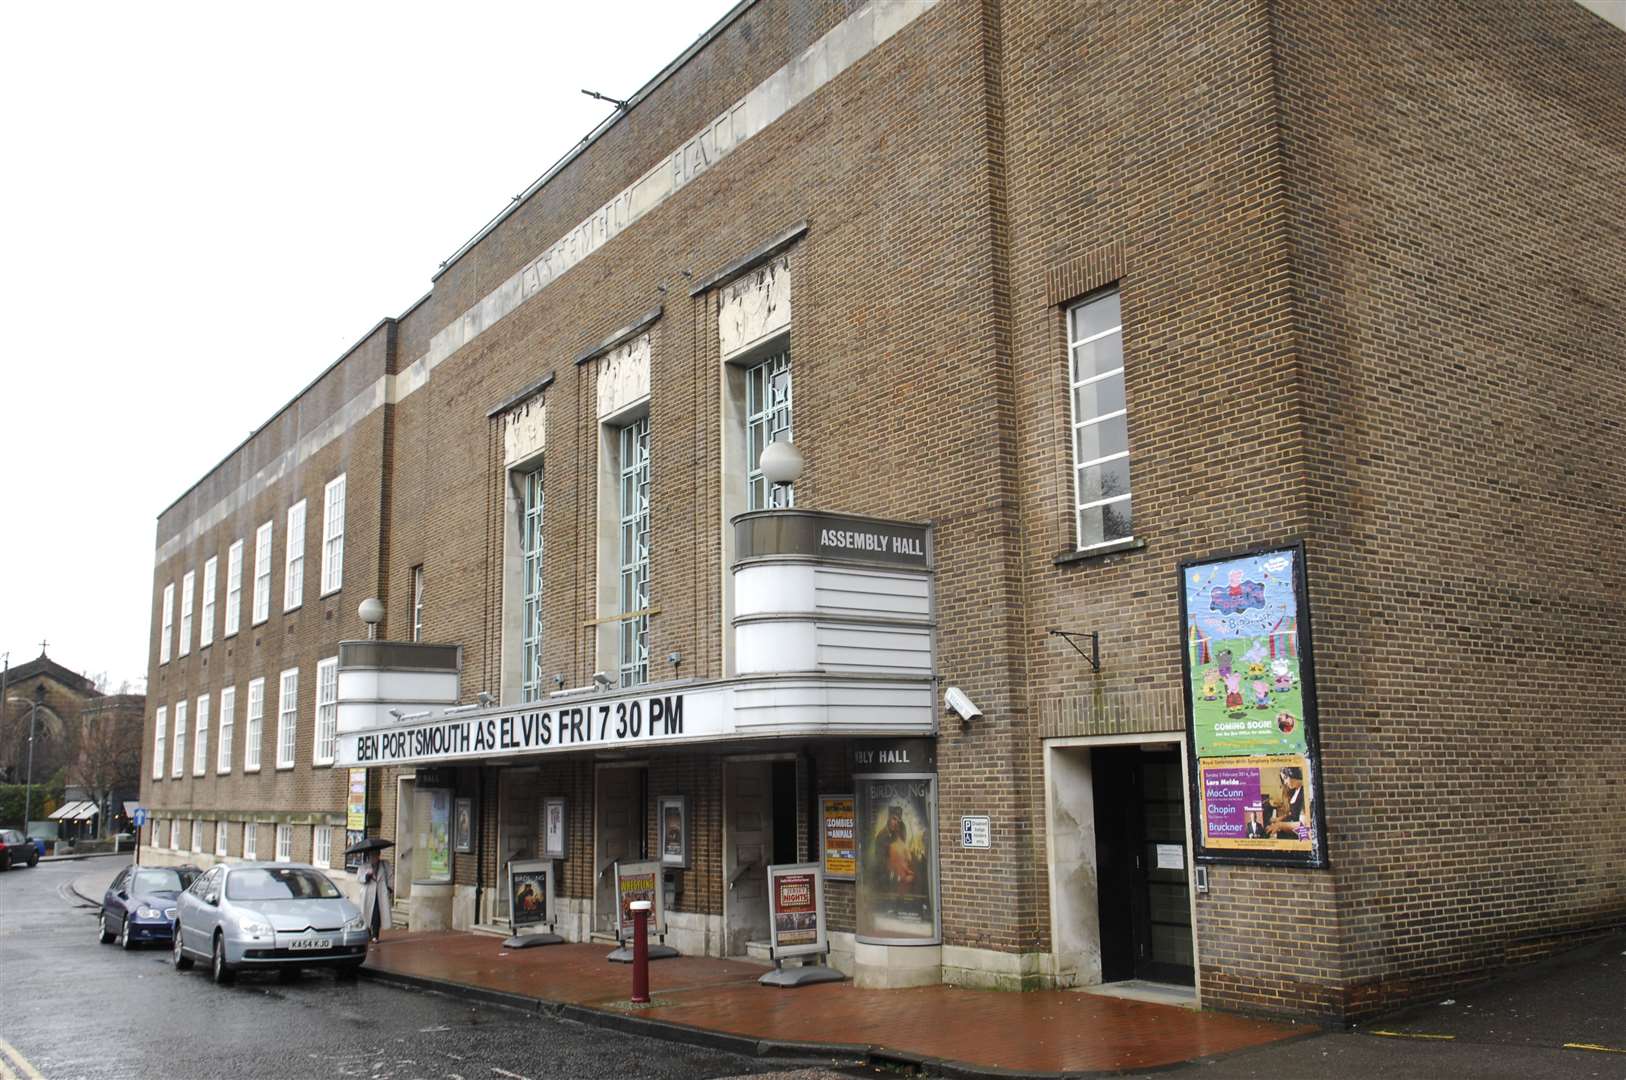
1412 1035
9 1051
1595 1046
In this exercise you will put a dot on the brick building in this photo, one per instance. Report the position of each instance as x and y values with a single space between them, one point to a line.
1333 292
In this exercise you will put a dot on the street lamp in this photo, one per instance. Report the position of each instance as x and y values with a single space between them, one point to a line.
28 782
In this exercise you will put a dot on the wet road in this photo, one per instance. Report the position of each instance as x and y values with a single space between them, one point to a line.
73 1008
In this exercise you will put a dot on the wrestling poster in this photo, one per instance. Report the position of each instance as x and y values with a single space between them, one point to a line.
1250 708
794 893
897 859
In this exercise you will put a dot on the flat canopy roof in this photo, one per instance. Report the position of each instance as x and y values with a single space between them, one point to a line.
75 811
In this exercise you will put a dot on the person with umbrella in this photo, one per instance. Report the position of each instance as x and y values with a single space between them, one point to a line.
377 883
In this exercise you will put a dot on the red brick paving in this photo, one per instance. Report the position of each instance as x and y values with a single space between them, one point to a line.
1040 1031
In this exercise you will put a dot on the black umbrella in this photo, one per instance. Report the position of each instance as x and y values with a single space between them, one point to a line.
372 843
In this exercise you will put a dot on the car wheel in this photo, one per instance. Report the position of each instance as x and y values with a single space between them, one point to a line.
5 861
33 860
103 934
125 941
220 971
177 954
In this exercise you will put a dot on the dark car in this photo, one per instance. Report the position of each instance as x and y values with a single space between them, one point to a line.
15 850
140 904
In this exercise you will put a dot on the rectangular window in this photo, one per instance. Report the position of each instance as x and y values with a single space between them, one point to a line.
417 603
251 841
197 836
285 843
767 417
262 574
175 834
177 758
1095 353
157 833
189 583
530 535
254 725
634 548
327 710
200 738
287 717
220 839
160 733
293 578
206 618
333 536
167 622
228 725
234 587
321 846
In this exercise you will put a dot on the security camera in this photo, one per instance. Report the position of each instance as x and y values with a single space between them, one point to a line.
487 699
604 681
955 699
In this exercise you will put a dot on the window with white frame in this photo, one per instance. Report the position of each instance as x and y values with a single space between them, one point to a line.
293 577
530 548
206 608
333 535
262 574
327 710
767 418
197 835
254 725
417 602
234 588
175 834
167 622
228 726
177 758
285 843
220 838
160 734
287 718
634 552
1100 422
200 738
251 841
321 846
157 838
189 582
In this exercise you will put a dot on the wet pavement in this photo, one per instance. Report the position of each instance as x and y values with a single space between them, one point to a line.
73 1008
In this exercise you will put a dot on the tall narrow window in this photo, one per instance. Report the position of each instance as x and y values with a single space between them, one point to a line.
530 541
417 602
285 843
234 587
327 710
206 615
167 622
634 631
188 586
177 756
254 725
321 846
220 838
767 417
200 738
262 574
1100 422
333 535
160 733
175 834
197 835
293 578
251 841
287 718
228 725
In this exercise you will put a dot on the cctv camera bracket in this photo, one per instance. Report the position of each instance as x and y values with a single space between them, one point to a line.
1093 656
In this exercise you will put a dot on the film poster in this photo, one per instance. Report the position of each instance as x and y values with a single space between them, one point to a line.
839 846
795 910
896 898
529 893
637 881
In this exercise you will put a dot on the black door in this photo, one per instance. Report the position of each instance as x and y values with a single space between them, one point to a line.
1141 870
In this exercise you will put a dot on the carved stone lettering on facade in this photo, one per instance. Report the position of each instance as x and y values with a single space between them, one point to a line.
754 308
623 376
524 430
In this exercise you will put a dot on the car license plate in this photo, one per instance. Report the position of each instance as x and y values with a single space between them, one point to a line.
311 943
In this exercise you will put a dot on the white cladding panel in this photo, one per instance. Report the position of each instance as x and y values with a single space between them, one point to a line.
902 650
774 588
846 591
776 645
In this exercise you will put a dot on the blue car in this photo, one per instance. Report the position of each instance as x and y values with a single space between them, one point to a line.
139 906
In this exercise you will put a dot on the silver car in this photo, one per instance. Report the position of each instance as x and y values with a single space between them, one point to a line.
267 915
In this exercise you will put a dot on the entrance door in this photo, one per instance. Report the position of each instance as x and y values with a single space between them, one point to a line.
747 836
405 793
619 834
516 827
1140 836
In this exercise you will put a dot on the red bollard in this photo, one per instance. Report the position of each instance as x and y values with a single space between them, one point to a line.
640 952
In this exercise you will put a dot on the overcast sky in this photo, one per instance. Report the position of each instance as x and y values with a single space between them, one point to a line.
203 205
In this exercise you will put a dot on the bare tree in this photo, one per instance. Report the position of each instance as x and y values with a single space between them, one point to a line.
108 755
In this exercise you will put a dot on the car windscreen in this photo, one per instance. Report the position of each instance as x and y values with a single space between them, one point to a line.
151 881
278 884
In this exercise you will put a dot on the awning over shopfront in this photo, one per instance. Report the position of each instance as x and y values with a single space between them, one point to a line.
84 810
